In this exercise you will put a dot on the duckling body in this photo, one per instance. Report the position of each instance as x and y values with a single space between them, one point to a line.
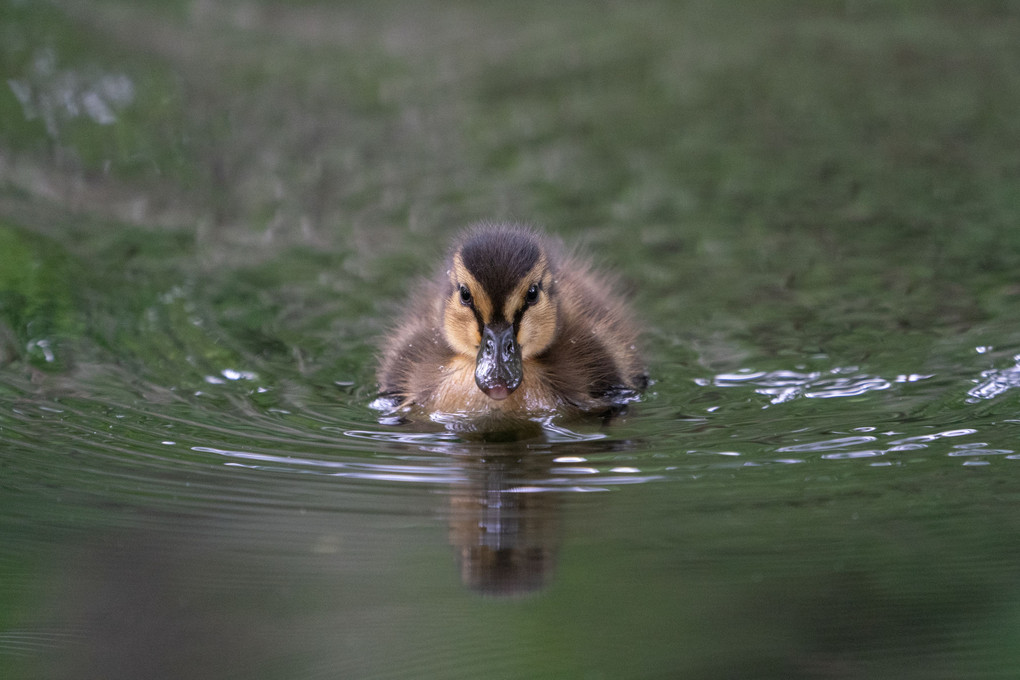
512 328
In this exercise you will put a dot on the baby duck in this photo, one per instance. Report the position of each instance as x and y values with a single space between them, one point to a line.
513 328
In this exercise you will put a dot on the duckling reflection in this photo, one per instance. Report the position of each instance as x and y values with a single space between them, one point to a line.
506 534
513 328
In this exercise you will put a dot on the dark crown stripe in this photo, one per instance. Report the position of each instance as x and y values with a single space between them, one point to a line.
498 259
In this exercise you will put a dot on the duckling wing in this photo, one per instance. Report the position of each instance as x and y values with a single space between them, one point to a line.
412 363
594 360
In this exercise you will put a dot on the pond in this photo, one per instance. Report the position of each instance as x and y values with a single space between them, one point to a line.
212 212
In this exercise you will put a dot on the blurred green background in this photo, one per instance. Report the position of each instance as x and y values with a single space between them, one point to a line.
797 160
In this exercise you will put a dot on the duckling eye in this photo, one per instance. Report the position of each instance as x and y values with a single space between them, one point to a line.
531 297
465 295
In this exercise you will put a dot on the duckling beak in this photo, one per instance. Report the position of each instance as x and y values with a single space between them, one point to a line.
498 367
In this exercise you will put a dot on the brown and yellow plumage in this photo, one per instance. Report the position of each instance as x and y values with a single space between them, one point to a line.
512 328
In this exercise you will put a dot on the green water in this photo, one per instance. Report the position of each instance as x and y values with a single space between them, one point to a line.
210 213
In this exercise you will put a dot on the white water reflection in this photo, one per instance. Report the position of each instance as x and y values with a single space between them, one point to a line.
838 443
843 448
995 381
436 465
433 473
783 386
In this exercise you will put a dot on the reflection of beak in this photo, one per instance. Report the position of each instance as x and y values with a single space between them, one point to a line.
498 367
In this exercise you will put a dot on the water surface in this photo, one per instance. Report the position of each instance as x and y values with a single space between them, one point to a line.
210 212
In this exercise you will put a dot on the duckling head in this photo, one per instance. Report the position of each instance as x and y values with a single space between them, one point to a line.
500 308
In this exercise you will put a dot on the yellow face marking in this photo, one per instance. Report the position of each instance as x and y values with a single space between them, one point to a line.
515 300
460 275
538 323
460 326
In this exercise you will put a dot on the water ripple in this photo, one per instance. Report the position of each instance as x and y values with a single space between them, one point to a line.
826 445
178 450
845 448
400 437
435 473
785 385
995 381
31 642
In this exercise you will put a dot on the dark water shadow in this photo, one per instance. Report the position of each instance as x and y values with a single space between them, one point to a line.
505 518
503 525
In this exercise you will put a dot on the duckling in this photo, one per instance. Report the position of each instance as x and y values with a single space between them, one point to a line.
511 329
